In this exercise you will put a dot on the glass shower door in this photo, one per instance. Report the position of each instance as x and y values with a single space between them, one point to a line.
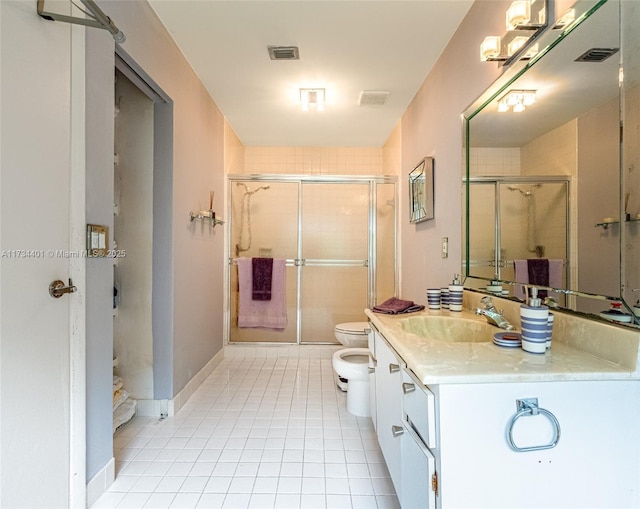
335 246
265 225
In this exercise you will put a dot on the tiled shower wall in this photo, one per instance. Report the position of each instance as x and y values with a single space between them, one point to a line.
266 230
313 160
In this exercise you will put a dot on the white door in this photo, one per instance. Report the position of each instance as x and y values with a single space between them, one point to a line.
41 158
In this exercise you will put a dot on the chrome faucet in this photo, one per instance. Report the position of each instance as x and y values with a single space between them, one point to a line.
492 315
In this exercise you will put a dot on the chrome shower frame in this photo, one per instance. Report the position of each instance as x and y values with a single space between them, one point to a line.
263 182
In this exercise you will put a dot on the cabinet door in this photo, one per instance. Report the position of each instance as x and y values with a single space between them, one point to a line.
418 404
389 407
372 378
418 469
596 463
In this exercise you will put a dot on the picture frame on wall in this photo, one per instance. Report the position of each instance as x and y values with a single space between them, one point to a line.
421 191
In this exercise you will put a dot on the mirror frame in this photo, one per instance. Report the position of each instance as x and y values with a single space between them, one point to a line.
421 191
547 40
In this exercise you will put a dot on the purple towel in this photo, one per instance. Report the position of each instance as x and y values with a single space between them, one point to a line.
394 306
265 314
538 269
262 270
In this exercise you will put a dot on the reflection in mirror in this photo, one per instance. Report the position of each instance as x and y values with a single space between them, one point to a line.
630 14
543 173
529 239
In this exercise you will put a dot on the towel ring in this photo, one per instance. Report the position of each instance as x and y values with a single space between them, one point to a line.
529 407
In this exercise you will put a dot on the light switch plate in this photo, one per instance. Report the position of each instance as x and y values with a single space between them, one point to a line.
97 240
445 247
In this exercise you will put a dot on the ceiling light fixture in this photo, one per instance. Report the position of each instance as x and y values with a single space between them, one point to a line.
525 20
516 100
312 97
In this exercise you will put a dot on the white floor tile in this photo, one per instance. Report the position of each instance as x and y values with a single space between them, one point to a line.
134 501
185 501
159 501
265 485
218 484
210 500
338 501
363 502
268 429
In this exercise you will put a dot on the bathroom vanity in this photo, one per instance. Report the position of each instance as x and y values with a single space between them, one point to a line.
464 423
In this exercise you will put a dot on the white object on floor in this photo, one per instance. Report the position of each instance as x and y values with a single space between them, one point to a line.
353 364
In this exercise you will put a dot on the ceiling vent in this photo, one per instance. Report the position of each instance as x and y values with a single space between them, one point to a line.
284 52
373 97
597 54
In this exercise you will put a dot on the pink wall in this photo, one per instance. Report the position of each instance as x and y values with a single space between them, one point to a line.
432 126
198 167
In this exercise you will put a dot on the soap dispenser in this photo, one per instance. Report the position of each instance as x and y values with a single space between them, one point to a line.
534 318
455 294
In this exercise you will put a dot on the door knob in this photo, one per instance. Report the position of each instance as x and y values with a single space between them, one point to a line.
57 288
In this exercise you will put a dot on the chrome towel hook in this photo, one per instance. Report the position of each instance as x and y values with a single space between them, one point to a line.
529 407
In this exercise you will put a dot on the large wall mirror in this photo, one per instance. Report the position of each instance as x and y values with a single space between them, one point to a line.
553 174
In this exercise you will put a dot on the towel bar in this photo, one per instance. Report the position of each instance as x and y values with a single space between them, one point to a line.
529 407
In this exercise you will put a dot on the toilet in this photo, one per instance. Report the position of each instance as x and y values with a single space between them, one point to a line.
351 366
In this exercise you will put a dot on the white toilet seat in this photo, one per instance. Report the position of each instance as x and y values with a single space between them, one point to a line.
352 364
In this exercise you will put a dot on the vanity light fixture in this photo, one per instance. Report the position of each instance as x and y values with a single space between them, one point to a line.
312 97
516 100
527 15
490 48
518 14
525 20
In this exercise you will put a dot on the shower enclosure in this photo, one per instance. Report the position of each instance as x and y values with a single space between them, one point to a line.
515 218
338 237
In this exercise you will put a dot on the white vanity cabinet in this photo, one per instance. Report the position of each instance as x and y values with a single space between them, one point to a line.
453 445
595 463
388 391
410 463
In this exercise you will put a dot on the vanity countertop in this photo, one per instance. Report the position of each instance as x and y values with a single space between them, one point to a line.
437 362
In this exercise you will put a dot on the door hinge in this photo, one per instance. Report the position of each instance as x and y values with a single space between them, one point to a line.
434 483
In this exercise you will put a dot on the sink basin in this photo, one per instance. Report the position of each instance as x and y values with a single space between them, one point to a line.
447 328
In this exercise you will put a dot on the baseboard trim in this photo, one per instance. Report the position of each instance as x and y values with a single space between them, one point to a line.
183 396
100 482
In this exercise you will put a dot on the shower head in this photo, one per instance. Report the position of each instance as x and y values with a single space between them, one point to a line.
528 193
247 189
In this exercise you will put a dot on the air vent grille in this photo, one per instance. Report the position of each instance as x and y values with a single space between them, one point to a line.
284 52
373 97
597 54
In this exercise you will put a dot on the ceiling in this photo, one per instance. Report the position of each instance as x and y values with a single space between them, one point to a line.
565 87
345 47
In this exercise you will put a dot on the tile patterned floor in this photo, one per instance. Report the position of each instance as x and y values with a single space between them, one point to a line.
268 429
